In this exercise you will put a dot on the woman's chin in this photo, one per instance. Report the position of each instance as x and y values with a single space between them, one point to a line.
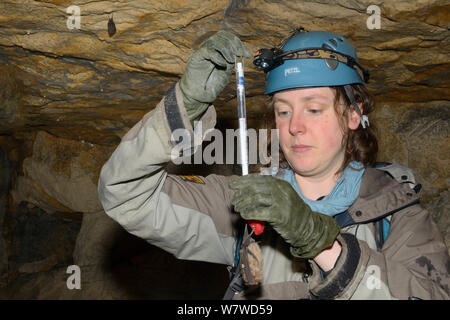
302 166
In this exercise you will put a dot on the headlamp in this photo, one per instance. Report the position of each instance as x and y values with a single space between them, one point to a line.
268 59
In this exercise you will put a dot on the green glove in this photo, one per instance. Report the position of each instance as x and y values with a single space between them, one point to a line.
266 198
208 71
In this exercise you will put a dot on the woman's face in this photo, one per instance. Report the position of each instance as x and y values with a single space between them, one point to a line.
309 131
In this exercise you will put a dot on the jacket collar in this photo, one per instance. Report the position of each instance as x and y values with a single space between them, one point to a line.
379 196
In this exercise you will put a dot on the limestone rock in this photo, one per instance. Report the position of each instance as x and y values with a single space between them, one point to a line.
39 266
6 171
417 136
96 240
49 284
61 175
38 241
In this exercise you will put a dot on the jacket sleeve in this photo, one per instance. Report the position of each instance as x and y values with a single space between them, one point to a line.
412 264
191 220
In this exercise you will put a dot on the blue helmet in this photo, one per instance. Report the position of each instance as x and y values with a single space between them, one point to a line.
311 59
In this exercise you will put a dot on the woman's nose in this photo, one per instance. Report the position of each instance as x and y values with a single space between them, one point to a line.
297 124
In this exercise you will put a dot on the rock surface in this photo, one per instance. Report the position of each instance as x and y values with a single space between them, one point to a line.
61 175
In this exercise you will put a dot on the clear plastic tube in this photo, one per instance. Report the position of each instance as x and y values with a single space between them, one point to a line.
257 226
240 94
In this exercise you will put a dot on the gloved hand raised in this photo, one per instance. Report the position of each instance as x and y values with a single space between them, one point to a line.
208 71
266 198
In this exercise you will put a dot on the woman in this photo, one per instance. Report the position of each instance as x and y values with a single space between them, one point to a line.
336 228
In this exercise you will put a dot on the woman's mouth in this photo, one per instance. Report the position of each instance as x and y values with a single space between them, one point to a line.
299 148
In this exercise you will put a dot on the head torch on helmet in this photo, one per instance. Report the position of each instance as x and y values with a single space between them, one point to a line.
268 59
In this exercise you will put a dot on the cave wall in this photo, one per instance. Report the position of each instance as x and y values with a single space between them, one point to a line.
67 96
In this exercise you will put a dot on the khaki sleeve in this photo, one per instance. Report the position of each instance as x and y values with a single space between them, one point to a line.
191 221
413 263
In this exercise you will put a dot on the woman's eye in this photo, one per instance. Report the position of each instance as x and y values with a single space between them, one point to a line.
282 113
315 111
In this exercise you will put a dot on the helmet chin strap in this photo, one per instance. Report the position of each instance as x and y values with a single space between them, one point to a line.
364 120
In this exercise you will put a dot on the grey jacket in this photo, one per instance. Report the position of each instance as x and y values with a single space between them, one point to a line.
193 219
